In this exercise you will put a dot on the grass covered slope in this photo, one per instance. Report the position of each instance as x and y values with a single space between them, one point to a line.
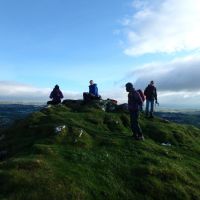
94 157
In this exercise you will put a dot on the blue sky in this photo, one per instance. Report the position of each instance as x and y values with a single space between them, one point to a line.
48 42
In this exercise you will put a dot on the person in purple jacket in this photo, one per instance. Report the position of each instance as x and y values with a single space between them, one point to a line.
93 93
134 102
56 96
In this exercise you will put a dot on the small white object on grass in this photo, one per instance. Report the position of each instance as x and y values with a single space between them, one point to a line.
81 133
166 144
59 129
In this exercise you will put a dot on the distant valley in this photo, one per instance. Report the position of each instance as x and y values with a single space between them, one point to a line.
11 112
181 117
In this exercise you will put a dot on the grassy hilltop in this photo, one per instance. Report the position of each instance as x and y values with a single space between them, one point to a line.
94 157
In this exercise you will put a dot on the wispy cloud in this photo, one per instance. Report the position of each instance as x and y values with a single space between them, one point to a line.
166 26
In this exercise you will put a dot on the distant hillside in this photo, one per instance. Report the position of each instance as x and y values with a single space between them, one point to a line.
80 152
192 118
12 112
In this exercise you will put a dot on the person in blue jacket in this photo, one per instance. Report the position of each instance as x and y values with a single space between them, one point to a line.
93 92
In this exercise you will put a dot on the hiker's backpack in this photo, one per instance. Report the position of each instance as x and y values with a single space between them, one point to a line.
141 94
113 101
111 105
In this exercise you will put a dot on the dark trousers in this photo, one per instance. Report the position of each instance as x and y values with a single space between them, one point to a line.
134 116
54 102
87 97
149 103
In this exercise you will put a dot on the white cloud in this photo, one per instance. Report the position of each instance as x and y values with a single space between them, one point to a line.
12 91
180 99
117 93
181 74
166 26
138 4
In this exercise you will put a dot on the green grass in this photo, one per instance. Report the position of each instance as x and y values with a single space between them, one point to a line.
103 163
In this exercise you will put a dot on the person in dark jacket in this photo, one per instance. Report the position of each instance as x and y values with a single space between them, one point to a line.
134 102
93 93
151 98
56 96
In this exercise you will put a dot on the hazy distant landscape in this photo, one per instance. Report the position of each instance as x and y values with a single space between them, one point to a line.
12 112
181 117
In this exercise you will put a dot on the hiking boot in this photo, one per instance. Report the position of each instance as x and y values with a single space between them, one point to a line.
141 138
136 137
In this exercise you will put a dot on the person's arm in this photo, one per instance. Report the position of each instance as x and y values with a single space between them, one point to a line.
96 91
139 99
90 89
61 95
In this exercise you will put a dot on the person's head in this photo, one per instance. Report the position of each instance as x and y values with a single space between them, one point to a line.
152 83
91 82
129 87
56 87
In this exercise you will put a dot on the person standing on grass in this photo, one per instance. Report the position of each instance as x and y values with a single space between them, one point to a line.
134 103
151 98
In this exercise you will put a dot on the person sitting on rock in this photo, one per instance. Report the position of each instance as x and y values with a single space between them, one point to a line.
56 96
93 93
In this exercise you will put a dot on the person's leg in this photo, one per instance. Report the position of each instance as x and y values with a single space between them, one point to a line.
94 97
137 132
152 108
97 98
86 97
147 108
132 118
137 126
55 102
